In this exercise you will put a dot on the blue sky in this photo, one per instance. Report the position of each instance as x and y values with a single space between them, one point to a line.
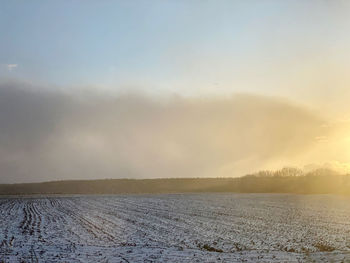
183 47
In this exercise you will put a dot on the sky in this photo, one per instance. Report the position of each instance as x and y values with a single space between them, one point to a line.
96 89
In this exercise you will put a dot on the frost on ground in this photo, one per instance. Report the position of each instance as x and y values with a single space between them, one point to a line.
176 228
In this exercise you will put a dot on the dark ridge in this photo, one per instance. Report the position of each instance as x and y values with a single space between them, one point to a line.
287 180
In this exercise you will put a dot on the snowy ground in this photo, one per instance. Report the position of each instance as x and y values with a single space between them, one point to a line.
176 228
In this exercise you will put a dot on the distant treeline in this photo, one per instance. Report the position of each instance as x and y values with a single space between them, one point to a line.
287 180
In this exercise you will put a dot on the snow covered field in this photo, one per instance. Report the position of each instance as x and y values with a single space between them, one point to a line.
175 228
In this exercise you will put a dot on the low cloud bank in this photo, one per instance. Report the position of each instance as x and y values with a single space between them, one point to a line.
49 135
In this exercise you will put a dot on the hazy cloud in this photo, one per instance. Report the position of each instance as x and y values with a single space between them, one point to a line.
50 135
10 67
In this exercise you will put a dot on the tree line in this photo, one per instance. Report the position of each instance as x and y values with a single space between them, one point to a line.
286 180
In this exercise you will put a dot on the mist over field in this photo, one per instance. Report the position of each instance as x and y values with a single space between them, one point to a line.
174 131
51 135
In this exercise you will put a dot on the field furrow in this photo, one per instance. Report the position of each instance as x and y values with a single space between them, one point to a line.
175 228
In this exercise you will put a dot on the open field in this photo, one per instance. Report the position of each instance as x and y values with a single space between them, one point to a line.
176 228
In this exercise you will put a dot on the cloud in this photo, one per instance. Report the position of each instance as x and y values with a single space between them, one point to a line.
10 67
48 135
